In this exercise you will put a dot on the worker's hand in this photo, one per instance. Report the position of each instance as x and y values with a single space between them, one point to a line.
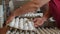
38 22
4 30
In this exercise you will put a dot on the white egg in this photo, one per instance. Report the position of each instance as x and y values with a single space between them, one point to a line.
12 23
21 23
8 32
41 14
16 22
25 26
17 32
30 25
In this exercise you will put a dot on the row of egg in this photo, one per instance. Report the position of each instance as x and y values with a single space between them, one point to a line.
22 23
33 15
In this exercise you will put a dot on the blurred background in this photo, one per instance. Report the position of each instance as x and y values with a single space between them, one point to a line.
1 14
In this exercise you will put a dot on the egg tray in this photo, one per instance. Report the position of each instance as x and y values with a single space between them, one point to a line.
23 31
23 23
18 29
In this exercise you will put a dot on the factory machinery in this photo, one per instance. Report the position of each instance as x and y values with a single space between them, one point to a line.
36 31
24 24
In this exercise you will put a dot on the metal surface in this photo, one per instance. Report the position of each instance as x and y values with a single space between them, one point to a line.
42 30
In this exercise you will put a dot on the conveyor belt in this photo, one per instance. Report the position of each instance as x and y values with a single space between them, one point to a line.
36 31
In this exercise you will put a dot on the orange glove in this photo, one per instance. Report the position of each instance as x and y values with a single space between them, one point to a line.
39 21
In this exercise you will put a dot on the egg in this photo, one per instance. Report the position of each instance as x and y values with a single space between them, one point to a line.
11 24
21 21
16 23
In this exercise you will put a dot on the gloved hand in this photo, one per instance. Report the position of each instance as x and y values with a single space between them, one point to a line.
39 21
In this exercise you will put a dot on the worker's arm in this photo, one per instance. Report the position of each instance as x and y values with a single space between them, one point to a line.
40 21
46 12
